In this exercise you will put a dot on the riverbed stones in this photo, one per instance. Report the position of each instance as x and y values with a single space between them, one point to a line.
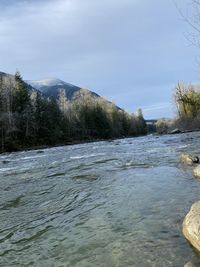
189 159
191 226
196 172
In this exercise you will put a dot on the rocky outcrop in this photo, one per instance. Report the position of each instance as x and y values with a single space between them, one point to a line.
189 159
196 172
191 226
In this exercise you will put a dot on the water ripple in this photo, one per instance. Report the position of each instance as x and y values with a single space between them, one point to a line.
117 203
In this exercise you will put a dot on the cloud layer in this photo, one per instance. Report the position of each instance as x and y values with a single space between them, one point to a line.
131 51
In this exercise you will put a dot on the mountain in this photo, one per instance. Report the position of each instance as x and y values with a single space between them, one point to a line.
53 87
9 79
46 83
2 73
29 117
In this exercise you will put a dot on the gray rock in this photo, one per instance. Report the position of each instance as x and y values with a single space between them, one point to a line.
191 226
196 172
189 159
189 264
175 131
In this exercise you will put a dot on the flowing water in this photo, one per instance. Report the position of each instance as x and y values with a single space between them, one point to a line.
118 203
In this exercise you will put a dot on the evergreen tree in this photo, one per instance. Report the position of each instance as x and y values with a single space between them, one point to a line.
21 95
142 123
22 110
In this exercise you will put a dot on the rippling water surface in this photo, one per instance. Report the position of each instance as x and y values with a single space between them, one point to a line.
103 204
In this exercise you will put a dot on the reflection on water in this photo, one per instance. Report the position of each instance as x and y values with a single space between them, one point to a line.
117 203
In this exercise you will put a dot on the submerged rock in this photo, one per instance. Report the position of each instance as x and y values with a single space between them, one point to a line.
5 161
189 159
196 171
191 226
87 177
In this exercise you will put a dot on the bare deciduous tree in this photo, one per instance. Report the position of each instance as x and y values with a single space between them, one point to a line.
192 17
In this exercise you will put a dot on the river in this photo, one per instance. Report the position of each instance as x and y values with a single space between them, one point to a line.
119 203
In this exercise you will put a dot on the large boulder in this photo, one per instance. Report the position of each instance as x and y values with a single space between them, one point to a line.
191 226
189 159
189 264
196 172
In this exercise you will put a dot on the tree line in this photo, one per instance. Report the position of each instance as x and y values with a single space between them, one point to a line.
27 119
187 99
187 102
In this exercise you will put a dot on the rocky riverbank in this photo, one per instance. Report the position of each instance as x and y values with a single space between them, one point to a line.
191 223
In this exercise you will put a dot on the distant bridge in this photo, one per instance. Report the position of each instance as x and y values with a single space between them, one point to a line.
151 122
151 125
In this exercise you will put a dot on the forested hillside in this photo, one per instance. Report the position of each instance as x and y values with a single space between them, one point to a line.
29 119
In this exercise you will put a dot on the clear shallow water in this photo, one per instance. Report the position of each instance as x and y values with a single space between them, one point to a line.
103 204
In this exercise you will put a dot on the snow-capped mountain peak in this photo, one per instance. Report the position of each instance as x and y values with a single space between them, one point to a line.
46 82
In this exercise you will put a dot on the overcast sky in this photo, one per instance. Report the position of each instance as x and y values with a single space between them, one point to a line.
132 52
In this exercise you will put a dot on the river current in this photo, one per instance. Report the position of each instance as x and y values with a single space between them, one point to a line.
107 204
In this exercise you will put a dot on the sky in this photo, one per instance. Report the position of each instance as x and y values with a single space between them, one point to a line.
132 52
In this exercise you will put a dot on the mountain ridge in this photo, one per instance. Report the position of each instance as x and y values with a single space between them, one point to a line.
54 87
